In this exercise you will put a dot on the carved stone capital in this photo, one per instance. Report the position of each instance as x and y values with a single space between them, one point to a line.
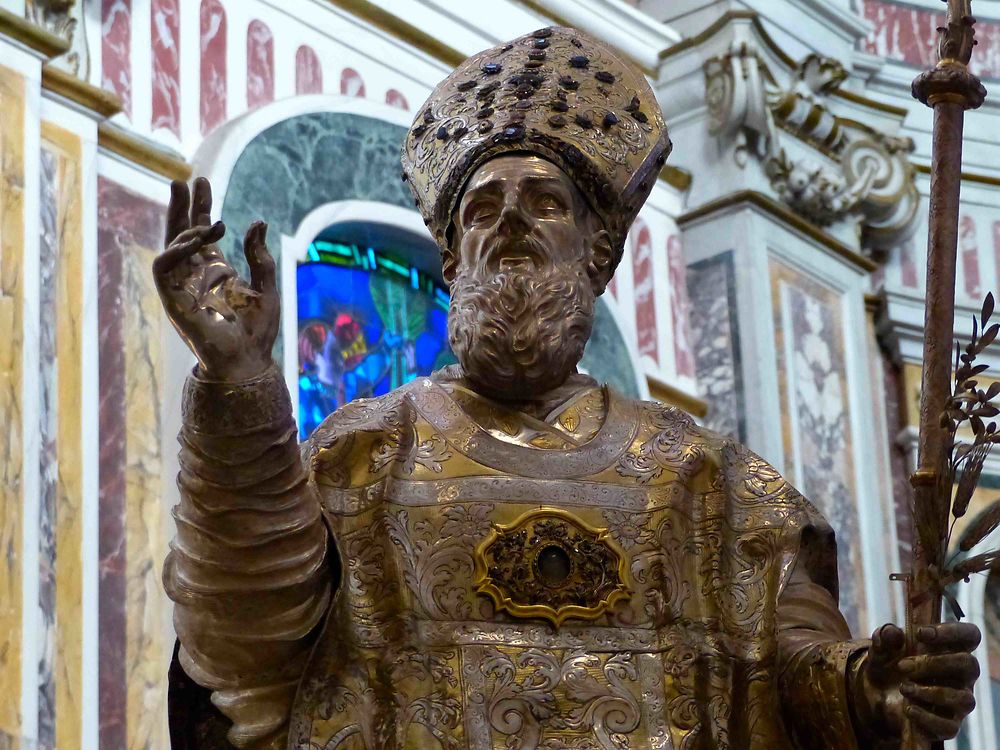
949 81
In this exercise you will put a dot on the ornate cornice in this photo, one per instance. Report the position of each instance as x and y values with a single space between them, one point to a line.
88 96
143 152
722 22
784 214
405 32
44 42
981 179
864 101
787 60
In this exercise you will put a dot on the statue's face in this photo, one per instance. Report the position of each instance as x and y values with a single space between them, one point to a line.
527 260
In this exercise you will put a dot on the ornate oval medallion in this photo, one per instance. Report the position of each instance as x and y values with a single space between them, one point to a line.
552 565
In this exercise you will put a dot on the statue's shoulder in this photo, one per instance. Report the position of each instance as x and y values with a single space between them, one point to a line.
671 437
371 417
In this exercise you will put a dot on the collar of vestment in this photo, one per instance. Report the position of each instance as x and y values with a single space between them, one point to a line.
470 423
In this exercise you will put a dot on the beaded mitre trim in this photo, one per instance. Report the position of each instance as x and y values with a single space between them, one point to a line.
557 93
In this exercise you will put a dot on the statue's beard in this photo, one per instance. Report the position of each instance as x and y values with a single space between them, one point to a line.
518 333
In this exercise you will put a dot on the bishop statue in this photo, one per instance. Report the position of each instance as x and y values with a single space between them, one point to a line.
506 554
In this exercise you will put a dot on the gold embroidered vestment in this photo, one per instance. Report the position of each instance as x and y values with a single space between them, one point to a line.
719 628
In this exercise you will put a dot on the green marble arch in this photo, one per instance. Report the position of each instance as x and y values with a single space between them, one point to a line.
308 160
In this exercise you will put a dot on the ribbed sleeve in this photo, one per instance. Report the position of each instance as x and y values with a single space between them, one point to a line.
815 652
247 570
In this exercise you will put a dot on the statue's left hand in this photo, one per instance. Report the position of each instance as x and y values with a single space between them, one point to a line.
933 690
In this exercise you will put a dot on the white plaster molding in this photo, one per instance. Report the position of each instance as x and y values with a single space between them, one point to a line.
31 617
632 31
14 6
905 324
93 31
90 453
847 21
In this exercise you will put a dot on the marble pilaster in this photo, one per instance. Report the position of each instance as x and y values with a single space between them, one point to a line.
61 508
711 287
12 165
816 428
133 540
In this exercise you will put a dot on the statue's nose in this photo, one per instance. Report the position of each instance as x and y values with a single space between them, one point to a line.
513 223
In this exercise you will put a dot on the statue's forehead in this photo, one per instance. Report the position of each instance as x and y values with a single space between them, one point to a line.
512 168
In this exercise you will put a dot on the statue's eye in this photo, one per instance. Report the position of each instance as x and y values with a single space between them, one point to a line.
549 203
481 212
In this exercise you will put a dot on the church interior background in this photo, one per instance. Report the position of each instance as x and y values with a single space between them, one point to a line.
772 285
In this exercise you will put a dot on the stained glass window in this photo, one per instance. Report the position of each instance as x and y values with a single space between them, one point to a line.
369 321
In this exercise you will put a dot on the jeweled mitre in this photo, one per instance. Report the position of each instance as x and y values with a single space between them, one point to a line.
557 93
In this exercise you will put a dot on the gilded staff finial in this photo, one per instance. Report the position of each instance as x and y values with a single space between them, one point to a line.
950 80
958 36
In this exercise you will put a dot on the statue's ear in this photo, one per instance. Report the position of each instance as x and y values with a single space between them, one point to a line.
602 261
449 264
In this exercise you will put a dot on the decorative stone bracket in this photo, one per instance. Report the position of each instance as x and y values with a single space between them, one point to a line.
859 175
65 19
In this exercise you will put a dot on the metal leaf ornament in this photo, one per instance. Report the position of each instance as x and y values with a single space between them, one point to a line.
971 405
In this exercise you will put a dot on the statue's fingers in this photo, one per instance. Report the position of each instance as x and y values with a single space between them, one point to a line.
177 211
201 205
262 266
888 643
186 244
932 725
957 670
944 700
950 637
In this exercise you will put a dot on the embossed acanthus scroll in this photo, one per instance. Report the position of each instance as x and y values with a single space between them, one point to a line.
857 173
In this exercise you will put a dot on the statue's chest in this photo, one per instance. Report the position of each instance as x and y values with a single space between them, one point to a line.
505 555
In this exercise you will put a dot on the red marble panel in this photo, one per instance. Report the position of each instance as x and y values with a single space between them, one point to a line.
116 49
908 265
308 72
909 34
679 307
968 246
165 21
645 300
396 99
213 65
260 65
351 83
125 219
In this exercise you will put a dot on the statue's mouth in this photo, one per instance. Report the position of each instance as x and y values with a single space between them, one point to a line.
516 263
523 255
